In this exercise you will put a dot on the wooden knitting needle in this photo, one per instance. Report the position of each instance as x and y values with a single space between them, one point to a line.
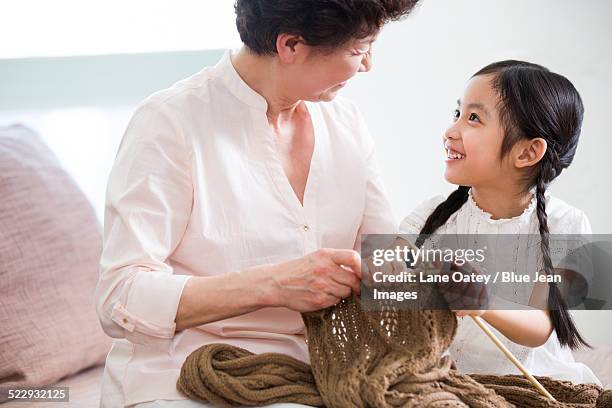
511 357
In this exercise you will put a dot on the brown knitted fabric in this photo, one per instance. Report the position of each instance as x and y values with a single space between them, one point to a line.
384 358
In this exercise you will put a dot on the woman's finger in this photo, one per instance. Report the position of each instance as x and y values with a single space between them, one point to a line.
330 300
347 277
348 258
338 290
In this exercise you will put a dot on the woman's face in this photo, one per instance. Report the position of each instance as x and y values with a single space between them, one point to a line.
472 144
321 74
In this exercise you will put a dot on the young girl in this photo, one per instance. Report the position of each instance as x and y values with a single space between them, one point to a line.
515 129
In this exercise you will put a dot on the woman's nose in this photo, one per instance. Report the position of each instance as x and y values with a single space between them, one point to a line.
366 62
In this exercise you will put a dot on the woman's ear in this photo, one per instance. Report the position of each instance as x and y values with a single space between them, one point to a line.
289 47
529 152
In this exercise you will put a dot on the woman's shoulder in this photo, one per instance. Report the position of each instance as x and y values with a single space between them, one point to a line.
564 218
415 220
160 119
186 91
184 106
192 93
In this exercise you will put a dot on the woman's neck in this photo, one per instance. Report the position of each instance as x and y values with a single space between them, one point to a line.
261 73
501 203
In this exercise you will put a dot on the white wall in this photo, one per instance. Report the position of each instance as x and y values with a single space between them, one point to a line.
77 27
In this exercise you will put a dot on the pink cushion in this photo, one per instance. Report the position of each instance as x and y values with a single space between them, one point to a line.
50 244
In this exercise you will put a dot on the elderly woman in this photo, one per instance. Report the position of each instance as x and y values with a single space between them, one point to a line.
238 195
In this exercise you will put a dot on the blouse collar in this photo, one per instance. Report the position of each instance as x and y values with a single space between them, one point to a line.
486 216
236 85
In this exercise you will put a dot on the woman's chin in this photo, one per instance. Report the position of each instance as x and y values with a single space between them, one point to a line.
328 95
322 97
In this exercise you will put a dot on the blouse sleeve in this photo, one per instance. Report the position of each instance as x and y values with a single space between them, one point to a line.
414 222
569 244
570 230
148 203
584 225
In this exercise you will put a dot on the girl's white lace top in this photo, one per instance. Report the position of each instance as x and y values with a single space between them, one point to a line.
472 350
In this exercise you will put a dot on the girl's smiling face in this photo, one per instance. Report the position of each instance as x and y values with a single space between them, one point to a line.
473 142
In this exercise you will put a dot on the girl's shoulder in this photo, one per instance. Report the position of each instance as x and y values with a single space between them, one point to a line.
415 220
566 219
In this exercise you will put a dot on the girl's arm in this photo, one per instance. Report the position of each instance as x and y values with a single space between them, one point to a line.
530 328
527 327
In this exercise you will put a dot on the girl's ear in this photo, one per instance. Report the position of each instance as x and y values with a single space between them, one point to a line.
290 47
529 152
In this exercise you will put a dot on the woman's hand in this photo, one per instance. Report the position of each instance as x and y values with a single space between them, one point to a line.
317 280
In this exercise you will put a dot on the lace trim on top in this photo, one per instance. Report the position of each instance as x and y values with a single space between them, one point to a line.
524 216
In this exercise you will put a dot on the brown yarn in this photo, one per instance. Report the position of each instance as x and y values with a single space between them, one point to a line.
384 358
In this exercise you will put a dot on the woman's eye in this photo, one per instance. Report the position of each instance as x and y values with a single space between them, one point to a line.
363 50
474 117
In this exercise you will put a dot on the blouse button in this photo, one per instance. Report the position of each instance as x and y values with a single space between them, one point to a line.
125 320
305 228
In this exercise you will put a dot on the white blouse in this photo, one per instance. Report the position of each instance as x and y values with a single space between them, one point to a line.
198 189
471 349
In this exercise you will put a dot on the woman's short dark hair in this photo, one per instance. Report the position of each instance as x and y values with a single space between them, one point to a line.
327 23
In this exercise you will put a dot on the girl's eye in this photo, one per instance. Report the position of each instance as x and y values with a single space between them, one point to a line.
474 117
456 114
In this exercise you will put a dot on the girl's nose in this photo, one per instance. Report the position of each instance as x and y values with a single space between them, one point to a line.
452 133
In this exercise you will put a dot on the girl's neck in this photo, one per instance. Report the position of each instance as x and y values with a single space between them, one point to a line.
501 203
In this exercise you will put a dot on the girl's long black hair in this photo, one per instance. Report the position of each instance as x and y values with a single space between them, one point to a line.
533 102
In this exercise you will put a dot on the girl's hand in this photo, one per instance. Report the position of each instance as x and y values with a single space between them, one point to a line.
464 298
388 268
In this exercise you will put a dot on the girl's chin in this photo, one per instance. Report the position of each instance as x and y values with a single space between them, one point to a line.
454 178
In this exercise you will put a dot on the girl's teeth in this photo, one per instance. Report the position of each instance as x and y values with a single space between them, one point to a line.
454 155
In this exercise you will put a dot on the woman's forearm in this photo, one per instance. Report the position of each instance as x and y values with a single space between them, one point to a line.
212 298
530 328
312 282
